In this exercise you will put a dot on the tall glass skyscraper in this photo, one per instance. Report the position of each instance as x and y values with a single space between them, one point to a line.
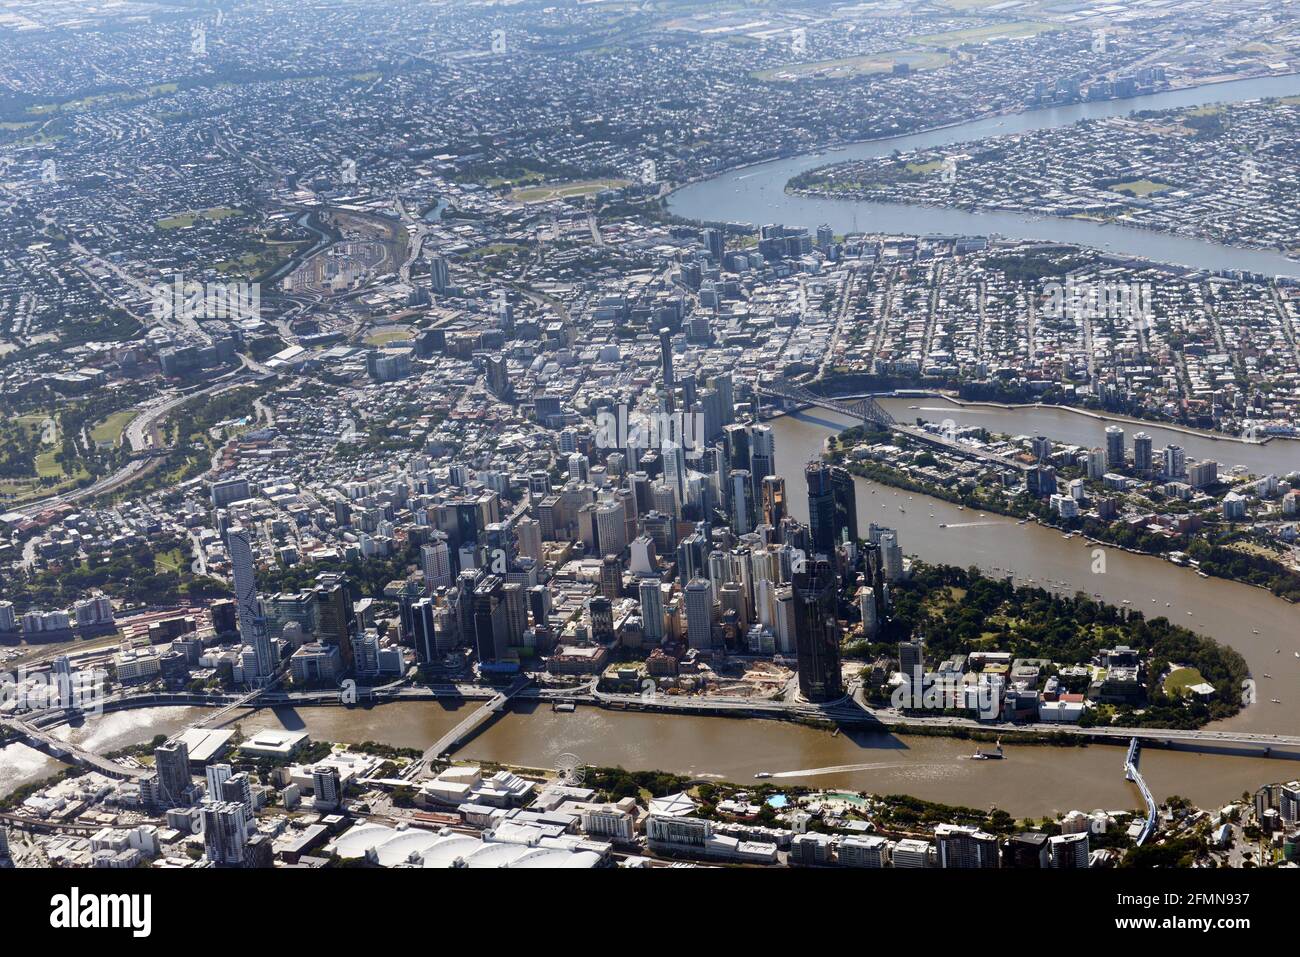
817 632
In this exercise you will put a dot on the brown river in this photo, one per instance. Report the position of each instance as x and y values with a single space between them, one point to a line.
1031 781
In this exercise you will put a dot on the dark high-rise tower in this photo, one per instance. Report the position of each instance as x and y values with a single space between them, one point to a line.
490 635
737 442
817 632
832 506
821 507
666 354
846 504
335 615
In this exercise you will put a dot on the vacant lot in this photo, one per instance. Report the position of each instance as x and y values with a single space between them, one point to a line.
1001 31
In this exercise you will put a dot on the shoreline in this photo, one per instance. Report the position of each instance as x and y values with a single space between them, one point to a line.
922 130
1032 518
858 197
1092 414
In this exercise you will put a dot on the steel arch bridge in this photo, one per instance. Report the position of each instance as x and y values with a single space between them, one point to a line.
866 409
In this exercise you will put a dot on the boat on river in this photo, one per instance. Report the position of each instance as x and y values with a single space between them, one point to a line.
994 755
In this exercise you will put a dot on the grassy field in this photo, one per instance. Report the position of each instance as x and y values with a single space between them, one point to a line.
270 256
109 431
528 176
1140 187
381 337
16 491
552 191
188 218
171 561
1180 679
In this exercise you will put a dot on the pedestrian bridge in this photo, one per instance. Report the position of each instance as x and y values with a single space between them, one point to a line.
457 735
1133 774
44 741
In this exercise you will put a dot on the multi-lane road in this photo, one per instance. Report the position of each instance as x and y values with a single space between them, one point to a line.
140 437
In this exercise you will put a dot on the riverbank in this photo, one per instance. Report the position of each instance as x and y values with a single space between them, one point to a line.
869 196
1115 417
1219 562
985 117
755 192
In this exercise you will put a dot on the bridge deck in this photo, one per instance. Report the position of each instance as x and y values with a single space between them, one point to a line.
869 410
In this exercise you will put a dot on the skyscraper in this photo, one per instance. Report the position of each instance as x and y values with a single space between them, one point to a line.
611 527
335 616
699 614
435 560
490 638
867 607
762 457
611 577
692 557
1175 462
742 501
327 787
602 618
773 500
1114 447
439 274
961 846
516 601
252 626
225 829
911 662
891 556
216 775
666 358
846 504
172 763
424 631
817 632
821 507
652 609
736 438
1142 452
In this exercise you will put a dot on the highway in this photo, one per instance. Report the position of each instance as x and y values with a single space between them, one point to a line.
139 435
